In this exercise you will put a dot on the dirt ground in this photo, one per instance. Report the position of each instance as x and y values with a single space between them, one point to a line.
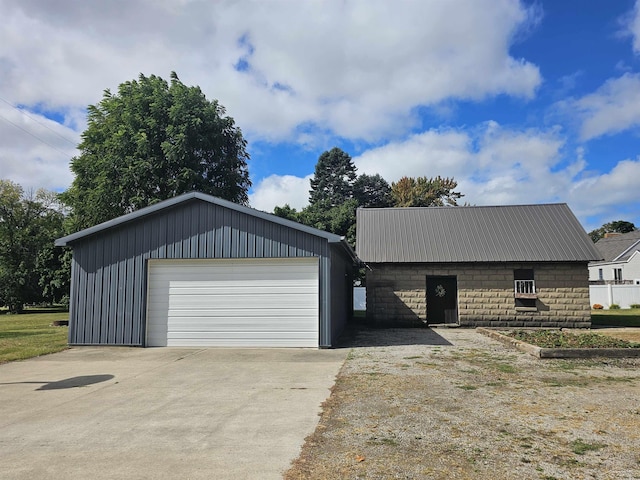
625 333
453 404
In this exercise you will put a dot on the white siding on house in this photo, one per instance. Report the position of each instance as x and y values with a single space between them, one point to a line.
630 269
233 302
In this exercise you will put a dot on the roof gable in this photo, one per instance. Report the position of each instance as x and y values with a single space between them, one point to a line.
618 247
197 196
512 233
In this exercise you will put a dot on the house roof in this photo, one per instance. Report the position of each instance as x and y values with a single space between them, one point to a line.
513 233
619 247
143 212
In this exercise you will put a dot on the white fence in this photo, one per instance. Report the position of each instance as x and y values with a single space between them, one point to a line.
359 298
623 295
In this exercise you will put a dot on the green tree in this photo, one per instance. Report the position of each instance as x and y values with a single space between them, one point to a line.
617 226
287 212
30 269
372 191
152 141
333 179
425 192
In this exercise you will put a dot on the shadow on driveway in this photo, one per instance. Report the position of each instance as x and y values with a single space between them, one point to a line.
73 382
358 335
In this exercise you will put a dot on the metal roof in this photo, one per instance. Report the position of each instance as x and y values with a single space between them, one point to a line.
511 233
64 241
619 247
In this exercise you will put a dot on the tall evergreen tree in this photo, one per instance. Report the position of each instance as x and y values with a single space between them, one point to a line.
372 191
333 179
151 141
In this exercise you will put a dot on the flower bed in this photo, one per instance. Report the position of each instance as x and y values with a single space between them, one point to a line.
561 339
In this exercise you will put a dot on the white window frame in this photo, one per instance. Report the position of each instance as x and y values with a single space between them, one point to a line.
527 287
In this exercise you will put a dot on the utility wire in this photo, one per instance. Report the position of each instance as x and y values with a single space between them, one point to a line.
34 136
35 120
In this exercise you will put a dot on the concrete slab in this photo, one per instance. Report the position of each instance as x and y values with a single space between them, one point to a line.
165 413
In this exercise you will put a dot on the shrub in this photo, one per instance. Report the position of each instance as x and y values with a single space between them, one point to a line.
597 306
634 305
614 306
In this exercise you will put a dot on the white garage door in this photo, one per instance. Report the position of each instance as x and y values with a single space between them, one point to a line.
234 302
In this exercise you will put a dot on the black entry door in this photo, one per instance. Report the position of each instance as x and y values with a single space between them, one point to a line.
442 300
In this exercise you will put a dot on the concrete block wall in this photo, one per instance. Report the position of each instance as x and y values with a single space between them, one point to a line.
396 294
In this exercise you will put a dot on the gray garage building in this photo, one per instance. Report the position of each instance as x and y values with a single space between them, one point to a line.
197 270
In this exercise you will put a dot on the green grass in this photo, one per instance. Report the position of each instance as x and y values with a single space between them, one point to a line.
628 317
30 334
580 447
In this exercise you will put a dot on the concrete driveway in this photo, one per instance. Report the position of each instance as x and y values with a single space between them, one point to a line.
173 413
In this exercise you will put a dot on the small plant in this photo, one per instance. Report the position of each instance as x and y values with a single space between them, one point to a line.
580 447
467 387
597 306
634 305
614 306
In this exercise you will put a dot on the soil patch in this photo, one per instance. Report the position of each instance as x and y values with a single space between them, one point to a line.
454 404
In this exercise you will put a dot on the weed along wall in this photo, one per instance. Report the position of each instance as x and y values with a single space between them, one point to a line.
485 294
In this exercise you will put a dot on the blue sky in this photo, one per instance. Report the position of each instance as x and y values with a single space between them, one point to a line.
519 101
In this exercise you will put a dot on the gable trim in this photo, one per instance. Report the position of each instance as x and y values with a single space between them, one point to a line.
143 212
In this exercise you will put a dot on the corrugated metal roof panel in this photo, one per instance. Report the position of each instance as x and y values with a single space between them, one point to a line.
511 233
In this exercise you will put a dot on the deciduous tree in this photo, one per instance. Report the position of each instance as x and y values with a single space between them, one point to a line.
151 141
425 192
31 270
617 226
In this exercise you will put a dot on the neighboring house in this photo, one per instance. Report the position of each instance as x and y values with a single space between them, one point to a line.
196 270
621 264
522 265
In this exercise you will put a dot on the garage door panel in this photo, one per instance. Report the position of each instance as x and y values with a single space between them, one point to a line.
241 303
258 342
257 302
243 329
257 315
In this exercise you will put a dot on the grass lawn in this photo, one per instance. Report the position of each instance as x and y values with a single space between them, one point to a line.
628 317
29 334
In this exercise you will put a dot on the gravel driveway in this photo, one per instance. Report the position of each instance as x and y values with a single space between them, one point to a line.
453 404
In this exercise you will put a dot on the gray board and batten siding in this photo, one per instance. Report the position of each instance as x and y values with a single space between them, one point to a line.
109 269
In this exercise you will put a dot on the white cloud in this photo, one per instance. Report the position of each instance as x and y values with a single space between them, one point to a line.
493 165
634 27
607 193
613 108
278 190
35 151
430 153
356 68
